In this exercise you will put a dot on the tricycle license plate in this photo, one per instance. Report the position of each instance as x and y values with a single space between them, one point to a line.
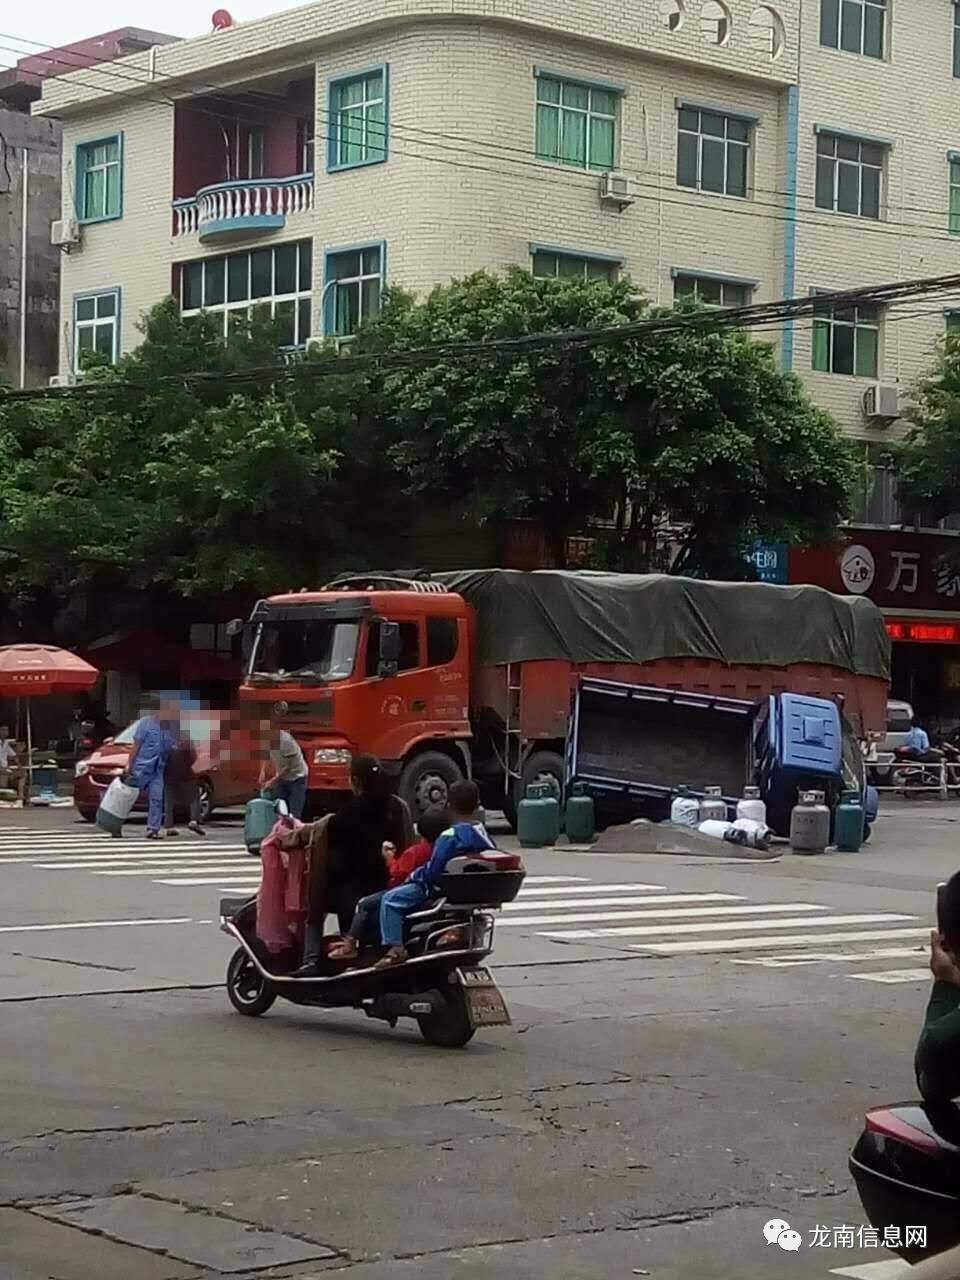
484 1001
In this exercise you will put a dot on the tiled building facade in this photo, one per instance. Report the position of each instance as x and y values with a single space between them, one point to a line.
300 161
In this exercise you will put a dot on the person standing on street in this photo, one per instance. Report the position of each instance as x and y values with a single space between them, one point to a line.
288 781
181 791
148 762
10 770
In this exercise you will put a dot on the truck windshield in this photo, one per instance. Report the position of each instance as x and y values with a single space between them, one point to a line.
312 650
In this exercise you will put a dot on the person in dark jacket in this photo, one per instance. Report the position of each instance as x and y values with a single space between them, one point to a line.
400 866
937 1061
180 784
355 867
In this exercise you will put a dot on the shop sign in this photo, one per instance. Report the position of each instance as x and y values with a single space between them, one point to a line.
771 561
894 569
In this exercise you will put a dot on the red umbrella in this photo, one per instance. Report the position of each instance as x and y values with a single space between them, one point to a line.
35 670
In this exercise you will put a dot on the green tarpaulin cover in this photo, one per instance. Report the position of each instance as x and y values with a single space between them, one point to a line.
619 617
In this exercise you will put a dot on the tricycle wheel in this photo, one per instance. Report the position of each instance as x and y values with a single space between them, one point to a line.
450 1027
249 991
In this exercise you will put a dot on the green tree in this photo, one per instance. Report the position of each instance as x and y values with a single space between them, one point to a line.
694 430
929 458
235 479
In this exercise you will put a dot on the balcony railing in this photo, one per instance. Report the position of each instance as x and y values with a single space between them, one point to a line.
228 209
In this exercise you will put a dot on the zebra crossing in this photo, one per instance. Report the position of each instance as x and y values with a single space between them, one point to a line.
880 947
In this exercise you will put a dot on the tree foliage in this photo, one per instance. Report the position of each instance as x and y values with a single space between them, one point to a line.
198 486
929 458
695 430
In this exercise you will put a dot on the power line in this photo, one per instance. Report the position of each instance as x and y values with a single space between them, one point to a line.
750 317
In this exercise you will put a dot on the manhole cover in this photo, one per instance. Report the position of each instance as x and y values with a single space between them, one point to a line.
219 1243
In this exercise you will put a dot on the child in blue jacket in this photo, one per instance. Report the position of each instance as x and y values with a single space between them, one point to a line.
463 836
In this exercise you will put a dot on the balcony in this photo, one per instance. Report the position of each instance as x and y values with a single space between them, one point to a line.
231 210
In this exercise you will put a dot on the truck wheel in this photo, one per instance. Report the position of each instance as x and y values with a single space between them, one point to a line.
425 781
450 1028
249 991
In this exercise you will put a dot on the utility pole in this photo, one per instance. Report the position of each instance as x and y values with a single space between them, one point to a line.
24 176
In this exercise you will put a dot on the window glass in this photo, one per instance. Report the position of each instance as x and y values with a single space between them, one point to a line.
441 641
238 277
285 259
261 273
98 179
849 176
712 152
276 275
303 321
213 282
855 26
356 296
846 340
306 265
359 112
96 326
409 648
576 123
573 266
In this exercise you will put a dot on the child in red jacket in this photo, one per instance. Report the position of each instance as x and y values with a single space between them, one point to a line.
364 928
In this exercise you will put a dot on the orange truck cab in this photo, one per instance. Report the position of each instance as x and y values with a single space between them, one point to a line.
474 673
379 671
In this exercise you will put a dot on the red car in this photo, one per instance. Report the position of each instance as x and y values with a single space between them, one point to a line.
223 782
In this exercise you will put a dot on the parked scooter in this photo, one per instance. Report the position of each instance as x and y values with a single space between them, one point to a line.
443 984
907 1169
917 770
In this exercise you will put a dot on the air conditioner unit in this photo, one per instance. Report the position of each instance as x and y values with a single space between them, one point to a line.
63 380
64 232
881 402
616 188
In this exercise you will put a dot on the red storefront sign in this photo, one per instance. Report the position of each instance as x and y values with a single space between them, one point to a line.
916 572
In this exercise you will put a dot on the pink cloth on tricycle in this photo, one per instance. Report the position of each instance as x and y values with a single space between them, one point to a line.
283 898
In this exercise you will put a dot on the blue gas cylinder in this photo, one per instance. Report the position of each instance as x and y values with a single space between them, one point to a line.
848 823
538 817
259 817
580 819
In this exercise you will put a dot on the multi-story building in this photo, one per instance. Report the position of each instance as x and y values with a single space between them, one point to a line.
30 165
741 151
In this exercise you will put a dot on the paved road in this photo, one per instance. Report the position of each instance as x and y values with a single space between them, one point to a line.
694 1044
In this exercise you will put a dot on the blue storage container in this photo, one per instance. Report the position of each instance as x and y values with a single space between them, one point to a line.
809 738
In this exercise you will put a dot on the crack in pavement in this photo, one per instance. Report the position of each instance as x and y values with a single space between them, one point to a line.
79 964
113 991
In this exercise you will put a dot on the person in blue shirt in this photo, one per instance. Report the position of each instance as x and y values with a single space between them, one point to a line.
422 885
152 742
916 739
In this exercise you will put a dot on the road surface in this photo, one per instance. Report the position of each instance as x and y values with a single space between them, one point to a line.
694 1044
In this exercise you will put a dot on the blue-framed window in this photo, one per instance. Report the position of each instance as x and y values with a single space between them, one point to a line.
353 285
358 119
563 264
96 326
576 122
99 179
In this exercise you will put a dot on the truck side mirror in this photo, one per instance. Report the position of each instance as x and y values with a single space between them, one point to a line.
234 627
389 648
